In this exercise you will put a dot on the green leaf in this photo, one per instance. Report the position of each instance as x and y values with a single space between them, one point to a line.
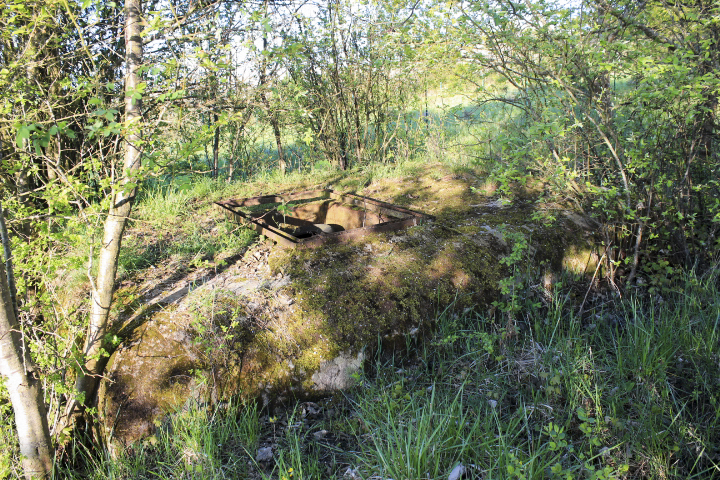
308 137
22 134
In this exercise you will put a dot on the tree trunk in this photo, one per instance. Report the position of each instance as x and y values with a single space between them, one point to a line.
272 115
24 388
24 188
282 163
7 258
275 124
95 349
216 148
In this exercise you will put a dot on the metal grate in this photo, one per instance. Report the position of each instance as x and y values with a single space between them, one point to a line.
318 217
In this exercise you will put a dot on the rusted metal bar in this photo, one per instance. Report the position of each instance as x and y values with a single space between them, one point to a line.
260 226
288 197
349 235
377 205
385 216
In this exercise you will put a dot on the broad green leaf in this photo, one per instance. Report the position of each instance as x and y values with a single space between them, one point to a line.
22 134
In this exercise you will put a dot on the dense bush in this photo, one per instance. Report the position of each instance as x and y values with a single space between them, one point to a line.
614 104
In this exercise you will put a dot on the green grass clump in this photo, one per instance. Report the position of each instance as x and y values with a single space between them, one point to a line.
419 433
172 221
630 392
195 443
162 204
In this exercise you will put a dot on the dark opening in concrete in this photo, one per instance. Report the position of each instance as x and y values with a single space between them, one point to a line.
318 217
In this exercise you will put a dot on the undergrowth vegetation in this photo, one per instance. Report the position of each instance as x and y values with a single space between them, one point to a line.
628 389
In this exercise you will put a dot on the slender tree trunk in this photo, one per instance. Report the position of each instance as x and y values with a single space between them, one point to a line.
95 349
272 115
24 188
239 132
274 123
339 96
7 258
216 148
278 139
354 92
233 148
24 387
23 176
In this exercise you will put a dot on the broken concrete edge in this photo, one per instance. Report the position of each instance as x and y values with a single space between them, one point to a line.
338 373
404 217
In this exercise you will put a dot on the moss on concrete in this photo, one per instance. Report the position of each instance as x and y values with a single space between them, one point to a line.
340 299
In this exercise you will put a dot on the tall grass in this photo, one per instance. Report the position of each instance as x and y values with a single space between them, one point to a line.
630 392
169 224
194 443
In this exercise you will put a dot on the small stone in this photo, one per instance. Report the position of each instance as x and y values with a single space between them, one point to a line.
310 409
320 435
493 404
264 454
352 474
457 473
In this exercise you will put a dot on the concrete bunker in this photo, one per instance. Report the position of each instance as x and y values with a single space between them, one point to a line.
317 217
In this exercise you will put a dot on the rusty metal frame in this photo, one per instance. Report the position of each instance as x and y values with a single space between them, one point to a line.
261 223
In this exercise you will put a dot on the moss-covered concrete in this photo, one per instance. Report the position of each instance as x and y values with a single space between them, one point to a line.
267 325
